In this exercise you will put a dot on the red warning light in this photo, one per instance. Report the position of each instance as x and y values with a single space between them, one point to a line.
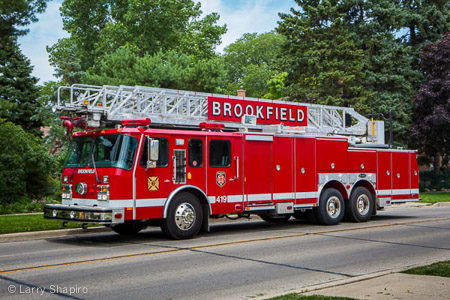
137 122
213 126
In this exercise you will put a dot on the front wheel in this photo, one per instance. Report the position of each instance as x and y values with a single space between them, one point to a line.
331 207
184 217
360 206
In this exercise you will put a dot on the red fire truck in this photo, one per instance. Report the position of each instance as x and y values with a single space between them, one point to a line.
175 159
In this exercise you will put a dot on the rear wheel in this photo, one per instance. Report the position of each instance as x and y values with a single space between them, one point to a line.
331 207
276 219
360 206
128 228
184 217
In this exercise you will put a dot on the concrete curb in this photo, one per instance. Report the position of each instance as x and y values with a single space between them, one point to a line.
341 282
34 235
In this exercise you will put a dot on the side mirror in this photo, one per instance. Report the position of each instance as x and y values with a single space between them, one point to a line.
152 152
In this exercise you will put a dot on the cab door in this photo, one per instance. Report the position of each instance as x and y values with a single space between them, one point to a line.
224 173
153 185
195 162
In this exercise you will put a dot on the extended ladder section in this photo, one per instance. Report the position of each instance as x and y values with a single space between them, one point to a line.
101 105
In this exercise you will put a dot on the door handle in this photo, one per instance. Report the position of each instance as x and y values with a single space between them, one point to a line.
167 181
236 158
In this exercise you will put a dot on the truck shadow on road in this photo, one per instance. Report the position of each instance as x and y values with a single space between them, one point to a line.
218 230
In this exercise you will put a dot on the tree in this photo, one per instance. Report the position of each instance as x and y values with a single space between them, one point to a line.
25 164
163 69
98 28
250 62
322 58
431 130
347 53
17 14
18 91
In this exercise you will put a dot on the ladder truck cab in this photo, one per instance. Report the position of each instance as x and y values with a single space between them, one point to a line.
158 157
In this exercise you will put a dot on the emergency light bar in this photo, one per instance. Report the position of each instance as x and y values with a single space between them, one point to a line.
137 122
211 126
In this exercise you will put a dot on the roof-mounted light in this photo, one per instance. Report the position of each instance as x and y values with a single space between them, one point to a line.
211 126
137 122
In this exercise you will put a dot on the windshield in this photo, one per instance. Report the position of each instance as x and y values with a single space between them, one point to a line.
110 151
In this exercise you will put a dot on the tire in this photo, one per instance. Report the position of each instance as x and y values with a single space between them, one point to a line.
276 219
184 217
360 206
128 228
331 208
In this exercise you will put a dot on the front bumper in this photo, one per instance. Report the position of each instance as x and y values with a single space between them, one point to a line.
83 214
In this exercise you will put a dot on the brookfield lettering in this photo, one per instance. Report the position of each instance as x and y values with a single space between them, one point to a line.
233 110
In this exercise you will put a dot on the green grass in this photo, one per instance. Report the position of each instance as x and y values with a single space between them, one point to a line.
437 269
313 297
435 197
26 223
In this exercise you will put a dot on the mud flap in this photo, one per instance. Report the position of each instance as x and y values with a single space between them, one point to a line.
205 224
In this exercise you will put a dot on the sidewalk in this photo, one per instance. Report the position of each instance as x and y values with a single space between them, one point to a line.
392 286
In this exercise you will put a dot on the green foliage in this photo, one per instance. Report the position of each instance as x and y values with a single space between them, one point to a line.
99 28
26 167
276 85
434 180
431 130
437 269
18 91
323 61
16 14
435 197
350 53
250 62
294 296
34 222
163 69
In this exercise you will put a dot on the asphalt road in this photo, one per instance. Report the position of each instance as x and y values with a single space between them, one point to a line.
235 261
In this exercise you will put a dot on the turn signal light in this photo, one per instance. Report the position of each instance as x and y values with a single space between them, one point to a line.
118 215
137 122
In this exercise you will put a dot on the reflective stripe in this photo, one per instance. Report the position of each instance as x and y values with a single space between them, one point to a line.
264 138
259 197
401 192
404 200
397 192
154 202
303 205
281 196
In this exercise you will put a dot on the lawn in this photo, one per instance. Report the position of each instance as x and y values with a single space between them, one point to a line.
313 297
32 222
435 197
437 269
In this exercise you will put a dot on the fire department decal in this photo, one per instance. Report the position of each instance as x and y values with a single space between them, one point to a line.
220 178
153 183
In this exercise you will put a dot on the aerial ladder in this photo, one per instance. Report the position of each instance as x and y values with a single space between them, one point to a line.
104 106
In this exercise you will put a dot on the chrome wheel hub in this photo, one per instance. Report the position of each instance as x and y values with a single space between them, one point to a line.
333 207
363 204
185 216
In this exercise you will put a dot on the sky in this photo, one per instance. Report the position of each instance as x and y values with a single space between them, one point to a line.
240 16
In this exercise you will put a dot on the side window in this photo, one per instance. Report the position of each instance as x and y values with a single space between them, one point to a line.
163 160
219 153
195 153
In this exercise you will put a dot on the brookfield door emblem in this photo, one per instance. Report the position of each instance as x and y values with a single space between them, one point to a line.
153 183
220 178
